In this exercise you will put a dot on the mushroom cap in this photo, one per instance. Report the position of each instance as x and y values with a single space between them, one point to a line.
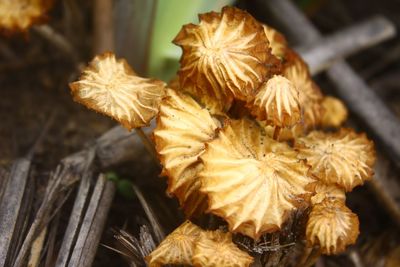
335 112
344 158
110 86
183 128
216 249
327 191
177 247
277 102
19 15
228 50
252 181
277 42
215 102
296 70
332 226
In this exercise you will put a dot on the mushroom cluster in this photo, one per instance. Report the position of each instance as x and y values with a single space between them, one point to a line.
189 245
243 133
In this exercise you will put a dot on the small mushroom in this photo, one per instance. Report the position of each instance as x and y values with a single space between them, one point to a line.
19 15
277 42
183 128
327 191
277 102
229 50
177 247
252 181
110 86
310 96
344 158
215 102
335 112
216 249
332 226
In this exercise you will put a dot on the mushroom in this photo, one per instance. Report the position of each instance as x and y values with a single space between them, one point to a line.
252 181
332 226
216 249
215 104
111 87
277 102
227 51
183 128
19 15
344 158
277 42
335 112
327 191
177 247
310 96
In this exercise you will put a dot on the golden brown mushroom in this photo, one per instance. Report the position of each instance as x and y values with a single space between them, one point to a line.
335 112
229 50
277 102
310 96
332 226
19 15
324 191
216 249
344 158
110 86
277 42
177 247
252 181
216 104
183 128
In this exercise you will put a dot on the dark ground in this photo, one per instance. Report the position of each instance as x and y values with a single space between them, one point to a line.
34 75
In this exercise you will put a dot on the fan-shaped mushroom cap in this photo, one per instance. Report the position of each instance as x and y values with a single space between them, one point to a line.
177 247
277 42
183 128
19 15
216 249
277 102
324 191
344 158
252 181
229 50
335 112
310 96
110 86
332 226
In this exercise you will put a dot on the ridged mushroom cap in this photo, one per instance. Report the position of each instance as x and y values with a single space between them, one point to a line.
310 95
216 249
183 128
277 102
332 226
327 191
344 158
109 86
252 181
177 247
277 42
229 50
215 102
335 112
19 15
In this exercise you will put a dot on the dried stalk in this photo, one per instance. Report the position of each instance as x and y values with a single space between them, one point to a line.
93 224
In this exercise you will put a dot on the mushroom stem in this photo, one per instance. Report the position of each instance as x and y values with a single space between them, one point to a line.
310 256
276 133
148 144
